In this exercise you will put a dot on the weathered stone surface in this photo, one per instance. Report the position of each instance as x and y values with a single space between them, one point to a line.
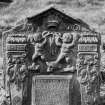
51 44
55 90
88 67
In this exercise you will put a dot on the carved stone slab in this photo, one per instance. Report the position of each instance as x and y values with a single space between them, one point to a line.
52 90
50 42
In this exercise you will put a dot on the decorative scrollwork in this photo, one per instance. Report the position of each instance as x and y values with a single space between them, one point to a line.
89 74
17 70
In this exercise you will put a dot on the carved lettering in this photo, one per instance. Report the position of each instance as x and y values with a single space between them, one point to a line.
87 47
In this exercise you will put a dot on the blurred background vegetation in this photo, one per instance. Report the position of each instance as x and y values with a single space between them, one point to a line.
90 11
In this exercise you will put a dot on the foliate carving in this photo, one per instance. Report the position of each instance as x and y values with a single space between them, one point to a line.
88 71
17 70
16 53
88 67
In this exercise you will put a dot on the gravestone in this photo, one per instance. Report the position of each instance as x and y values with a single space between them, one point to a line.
41 59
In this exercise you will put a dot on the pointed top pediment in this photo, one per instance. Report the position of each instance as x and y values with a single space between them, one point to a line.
50 9
55 9
52 15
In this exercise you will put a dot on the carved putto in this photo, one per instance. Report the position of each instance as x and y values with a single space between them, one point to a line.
52 49
66 43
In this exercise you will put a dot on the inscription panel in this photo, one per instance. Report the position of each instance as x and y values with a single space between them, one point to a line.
87 47
54 90
16 47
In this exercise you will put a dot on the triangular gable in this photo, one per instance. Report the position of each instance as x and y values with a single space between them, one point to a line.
44 12
50 8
